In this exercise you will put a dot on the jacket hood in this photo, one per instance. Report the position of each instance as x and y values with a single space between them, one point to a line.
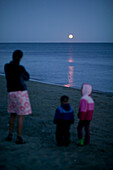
87 89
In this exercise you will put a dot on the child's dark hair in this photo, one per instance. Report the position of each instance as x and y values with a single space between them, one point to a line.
64 98
17 54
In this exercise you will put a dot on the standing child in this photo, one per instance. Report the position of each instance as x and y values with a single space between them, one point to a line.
85 114
63 119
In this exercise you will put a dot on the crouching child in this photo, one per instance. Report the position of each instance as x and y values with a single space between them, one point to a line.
63 119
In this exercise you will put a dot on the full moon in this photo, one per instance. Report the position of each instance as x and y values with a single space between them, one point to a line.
70 36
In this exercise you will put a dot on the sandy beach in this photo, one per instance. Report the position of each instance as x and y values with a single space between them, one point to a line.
40 152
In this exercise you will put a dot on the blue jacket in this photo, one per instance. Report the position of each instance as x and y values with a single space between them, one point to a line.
15 76
64 113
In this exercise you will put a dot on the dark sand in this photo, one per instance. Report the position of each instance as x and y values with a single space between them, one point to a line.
40 152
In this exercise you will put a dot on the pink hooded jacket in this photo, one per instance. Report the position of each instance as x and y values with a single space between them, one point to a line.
86 106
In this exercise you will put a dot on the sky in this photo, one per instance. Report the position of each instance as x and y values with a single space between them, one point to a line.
53 20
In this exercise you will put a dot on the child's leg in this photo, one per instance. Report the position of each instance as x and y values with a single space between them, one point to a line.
79 129
87 133
80 133
59 136
66 135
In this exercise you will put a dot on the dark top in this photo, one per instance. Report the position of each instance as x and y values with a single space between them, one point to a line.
64 113
15 76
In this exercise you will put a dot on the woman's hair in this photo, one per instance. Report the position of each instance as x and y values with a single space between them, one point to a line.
64 98
17 55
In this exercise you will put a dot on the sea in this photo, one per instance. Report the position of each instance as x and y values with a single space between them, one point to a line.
65 64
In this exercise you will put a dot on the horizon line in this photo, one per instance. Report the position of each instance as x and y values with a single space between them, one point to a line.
50 42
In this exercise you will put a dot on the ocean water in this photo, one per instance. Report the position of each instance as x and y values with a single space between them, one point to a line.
66 64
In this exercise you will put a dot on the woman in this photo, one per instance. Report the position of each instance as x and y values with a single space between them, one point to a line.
18 99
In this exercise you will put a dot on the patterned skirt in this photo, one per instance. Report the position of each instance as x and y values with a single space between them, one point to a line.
19 103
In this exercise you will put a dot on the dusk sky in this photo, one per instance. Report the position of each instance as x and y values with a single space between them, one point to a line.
54 20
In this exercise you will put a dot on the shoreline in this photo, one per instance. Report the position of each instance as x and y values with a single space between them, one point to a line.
41 151
38 81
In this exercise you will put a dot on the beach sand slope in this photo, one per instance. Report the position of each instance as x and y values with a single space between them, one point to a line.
40 152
